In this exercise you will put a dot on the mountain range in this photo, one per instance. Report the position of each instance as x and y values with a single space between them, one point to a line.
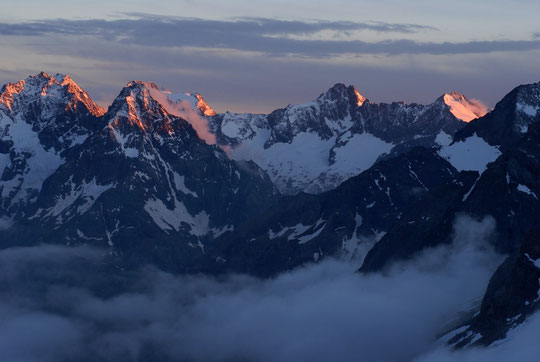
161 178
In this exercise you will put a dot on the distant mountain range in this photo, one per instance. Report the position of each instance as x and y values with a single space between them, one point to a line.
314 147
160 178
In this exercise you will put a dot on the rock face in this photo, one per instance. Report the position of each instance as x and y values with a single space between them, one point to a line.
509 120
345 221
512 296
506 186
314 147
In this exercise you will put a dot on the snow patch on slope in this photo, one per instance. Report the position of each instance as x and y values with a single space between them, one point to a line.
471 154
527 109
88 192
122 141
40 163
179 183
168 219
443 139
364 148
526 190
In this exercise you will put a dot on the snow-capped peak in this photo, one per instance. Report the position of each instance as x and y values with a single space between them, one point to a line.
43 88
464 108
340 92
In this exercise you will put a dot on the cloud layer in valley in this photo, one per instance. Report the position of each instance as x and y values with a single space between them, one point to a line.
61 303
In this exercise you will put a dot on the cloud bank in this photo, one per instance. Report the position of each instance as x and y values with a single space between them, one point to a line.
267 36
60 303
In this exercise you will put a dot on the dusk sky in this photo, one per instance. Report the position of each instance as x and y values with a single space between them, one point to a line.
260 55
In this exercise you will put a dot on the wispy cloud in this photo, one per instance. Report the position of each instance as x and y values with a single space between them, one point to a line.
137 24
268 36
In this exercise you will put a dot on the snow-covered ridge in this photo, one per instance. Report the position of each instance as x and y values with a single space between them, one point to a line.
314 146
308 147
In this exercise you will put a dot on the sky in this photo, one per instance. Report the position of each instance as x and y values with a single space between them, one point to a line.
256 56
